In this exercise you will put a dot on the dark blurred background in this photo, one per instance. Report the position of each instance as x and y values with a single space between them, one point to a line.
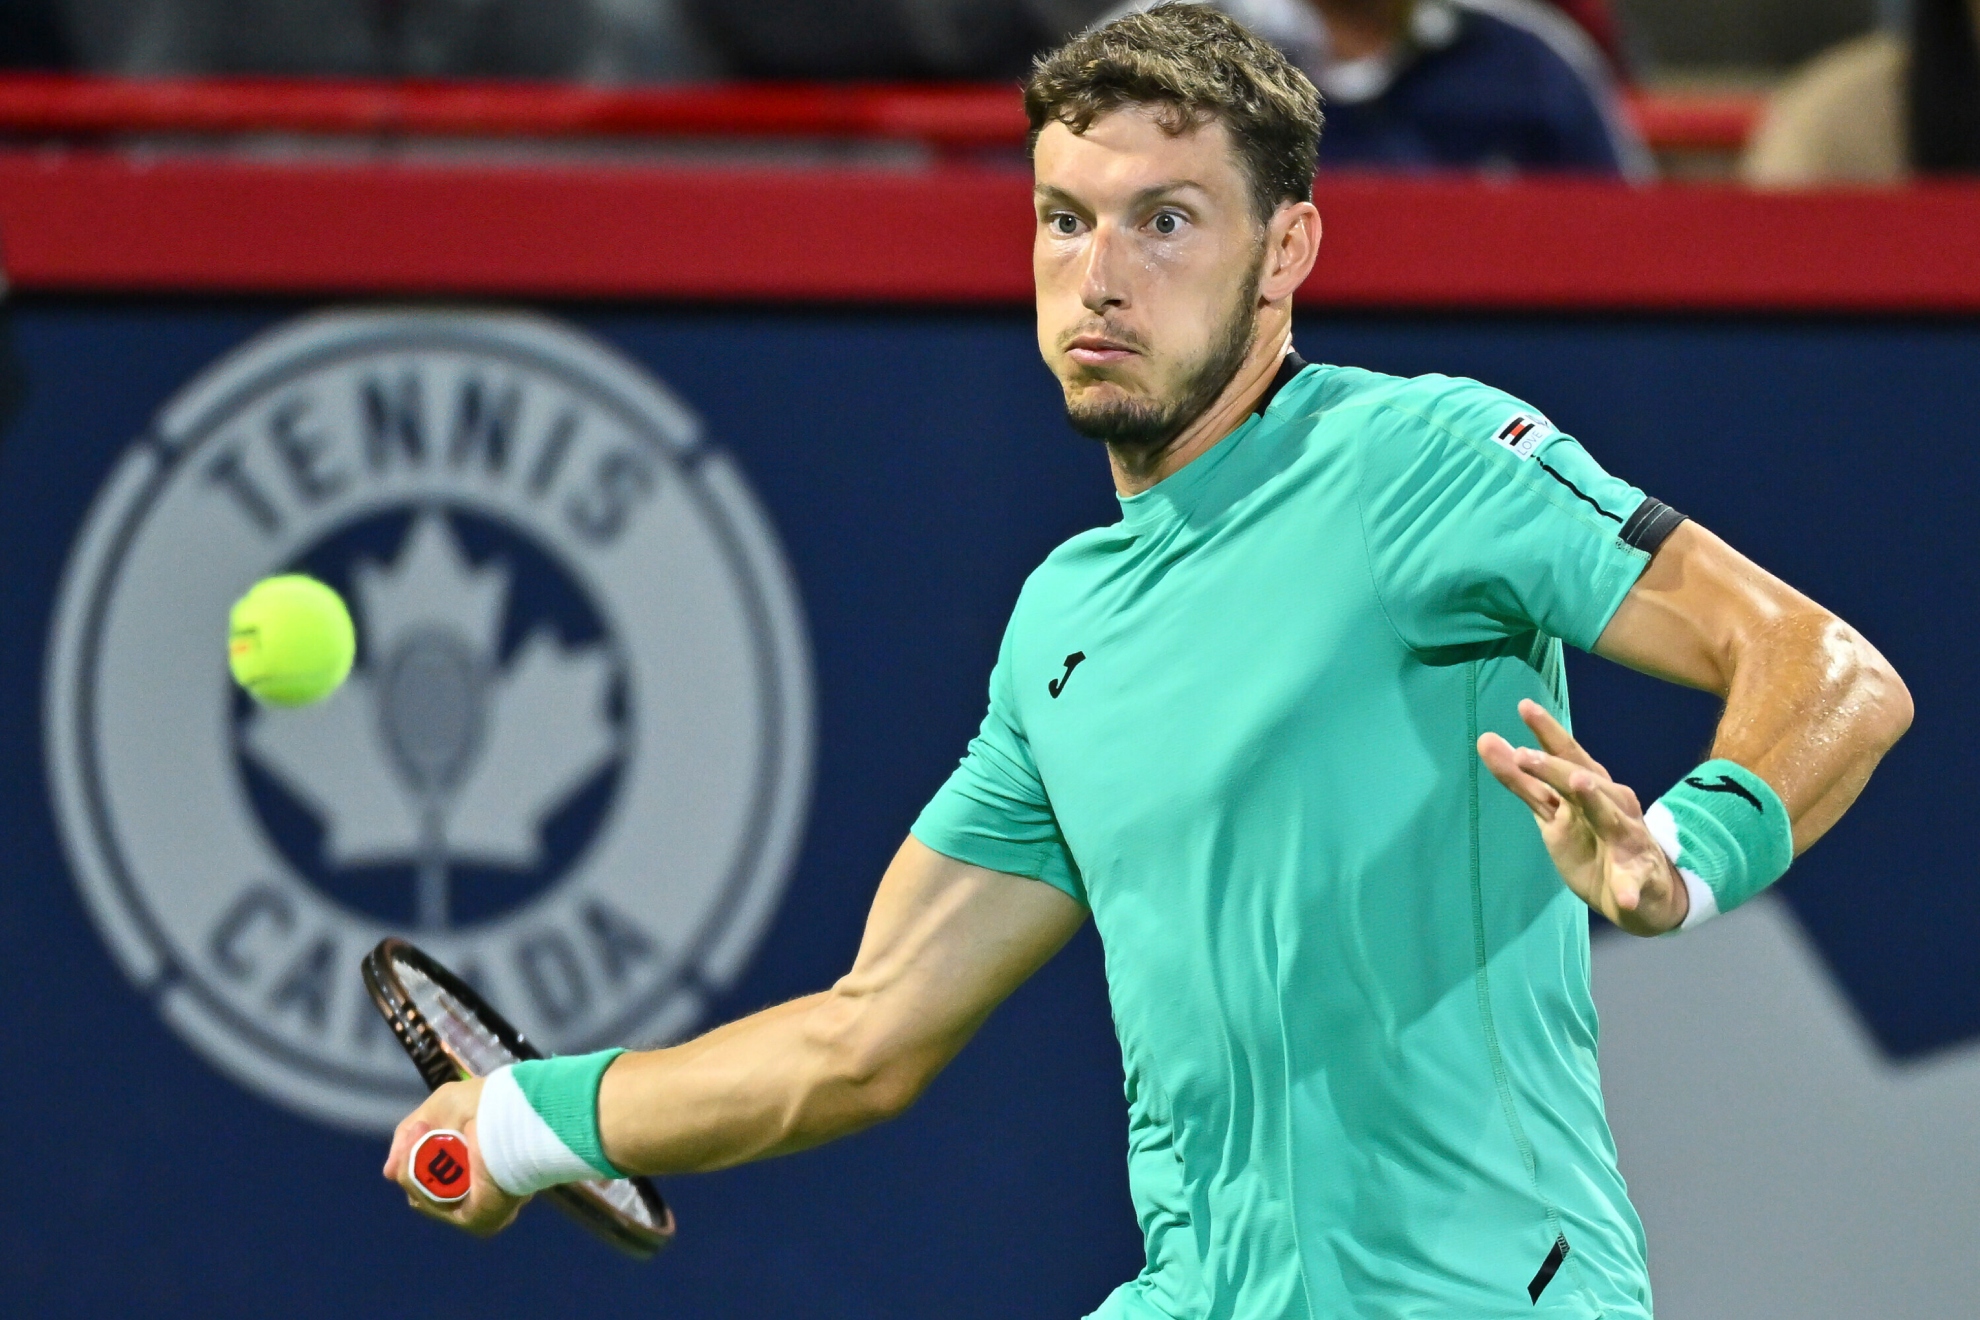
1843 90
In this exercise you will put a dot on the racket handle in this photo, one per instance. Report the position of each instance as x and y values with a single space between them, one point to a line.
440 1166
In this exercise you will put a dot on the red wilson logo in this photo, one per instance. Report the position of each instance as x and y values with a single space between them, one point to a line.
440 1165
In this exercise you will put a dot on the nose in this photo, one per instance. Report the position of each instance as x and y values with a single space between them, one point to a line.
1102 286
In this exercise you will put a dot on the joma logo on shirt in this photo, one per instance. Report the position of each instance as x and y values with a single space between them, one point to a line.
1058 685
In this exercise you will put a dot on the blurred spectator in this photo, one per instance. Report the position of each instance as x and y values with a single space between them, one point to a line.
889 38
1598 19
1839 120
1878 109
1476 84
590 40
31 36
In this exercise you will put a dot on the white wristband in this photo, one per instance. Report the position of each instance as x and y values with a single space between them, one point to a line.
1704 903
521 1153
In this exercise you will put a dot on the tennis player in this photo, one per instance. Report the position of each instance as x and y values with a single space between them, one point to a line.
1252 730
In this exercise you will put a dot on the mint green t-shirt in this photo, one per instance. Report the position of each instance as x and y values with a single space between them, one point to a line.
1350 988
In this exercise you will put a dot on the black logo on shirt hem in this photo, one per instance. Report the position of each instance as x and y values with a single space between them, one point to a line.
1548 1269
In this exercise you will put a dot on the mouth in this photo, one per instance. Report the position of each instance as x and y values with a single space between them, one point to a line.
1097 351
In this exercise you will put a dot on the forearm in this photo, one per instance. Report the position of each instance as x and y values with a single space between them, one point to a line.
944 943
769 1084
1811 707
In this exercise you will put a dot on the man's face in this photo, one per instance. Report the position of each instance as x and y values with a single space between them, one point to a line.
1147 259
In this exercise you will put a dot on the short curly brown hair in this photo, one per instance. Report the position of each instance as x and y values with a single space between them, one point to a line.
1192 64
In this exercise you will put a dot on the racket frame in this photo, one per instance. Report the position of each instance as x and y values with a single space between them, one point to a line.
438 1066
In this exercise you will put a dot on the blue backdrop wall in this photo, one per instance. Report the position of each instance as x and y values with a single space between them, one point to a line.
915 466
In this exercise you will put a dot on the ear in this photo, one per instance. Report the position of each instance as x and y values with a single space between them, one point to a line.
1292 245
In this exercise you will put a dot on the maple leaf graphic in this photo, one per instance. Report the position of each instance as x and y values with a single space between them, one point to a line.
434 753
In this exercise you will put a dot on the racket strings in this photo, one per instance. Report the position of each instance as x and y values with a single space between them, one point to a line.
459 1028
625 1198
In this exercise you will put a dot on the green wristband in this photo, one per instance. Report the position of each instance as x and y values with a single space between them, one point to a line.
564 1093
1728 834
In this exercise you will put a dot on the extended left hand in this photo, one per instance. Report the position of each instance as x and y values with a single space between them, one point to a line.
1593 826
488 1209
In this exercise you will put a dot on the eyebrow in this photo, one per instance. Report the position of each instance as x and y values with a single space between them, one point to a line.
1048 192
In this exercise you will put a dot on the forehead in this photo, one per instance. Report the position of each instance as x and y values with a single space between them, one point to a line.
1128 151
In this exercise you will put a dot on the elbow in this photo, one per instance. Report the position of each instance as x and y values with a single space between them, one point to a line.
865 1075
1877 694
891 1092
880 1088
1892 704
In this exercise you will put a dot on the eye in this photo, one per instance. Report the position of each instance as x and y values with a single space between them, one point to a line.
1063 223
1166 223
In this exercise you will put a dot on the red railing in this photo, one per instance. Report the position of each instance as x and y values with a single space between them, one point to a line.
1695 121
88 221
962 116
82 212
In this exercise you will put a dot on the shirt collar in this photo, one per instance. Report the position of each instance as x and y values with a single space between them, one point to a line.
1174 495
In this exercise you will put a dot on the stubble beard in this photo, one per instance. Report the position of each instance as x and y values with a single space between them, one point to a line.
1144 426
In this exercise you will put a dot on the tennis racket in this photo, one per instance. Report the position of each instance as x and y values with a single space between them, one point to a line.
451 1033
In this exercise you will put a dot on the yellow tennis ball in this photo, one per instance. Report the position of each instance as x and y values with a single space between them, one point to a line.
290 640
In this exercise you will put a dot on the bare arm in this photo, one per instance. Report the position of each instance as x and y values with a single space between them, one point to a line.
945 943
1811 707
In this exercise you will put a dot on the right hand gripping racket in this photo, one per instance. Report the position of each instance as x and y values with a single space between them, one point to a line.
452 1034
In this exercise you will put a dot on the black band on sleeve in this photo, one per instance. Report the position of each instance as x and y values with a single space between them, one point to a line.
1650 526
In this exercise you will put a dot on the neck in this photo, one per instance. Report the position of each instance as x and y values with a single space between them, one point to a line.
1135 469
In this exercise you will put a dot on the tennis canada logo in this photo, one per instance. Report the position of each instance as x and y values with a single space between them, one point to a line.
573 760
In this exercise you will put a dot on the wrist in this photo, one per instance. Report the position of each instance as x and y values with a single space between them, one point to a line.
1727 835
537 1123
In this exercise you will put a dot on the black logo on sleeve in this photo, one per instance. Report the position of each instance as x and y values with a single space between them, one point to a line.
1725 784
1058 685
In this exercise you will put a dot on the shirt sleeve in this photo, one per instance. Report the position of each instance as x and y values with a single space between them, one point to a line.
1484 522
993 811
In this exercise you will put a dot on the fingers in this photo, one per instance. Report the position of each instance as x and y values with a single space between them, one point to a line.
410 1130
487 1208
465 1213
1611 825
1559 773
432 1209
1593 826
1555 738
447 1107
1503 760
1592 795
1643 886
416 1128
1649 896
